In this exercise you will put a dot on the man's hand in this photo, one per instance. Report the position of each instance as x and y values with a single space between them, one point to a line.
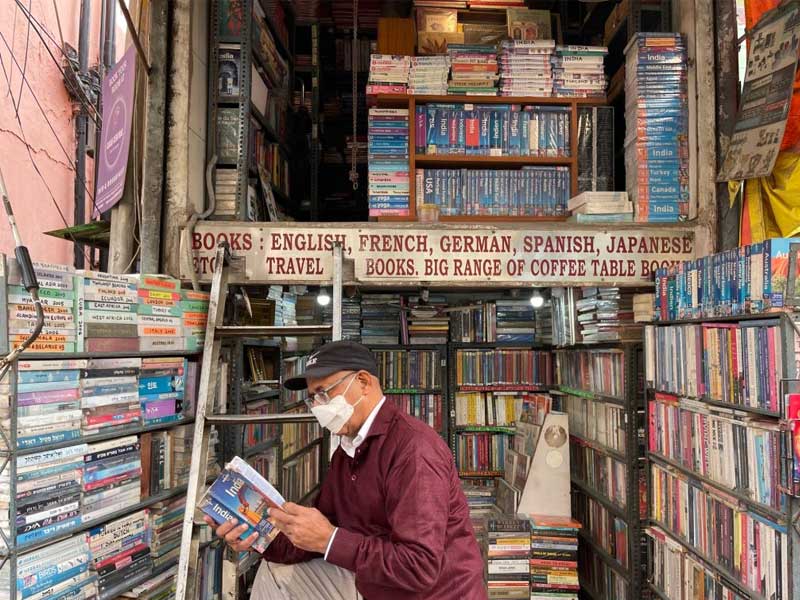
229 532
306 528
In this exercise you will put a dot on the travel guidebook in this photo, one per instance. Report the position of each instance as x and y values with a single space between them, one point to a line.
241 493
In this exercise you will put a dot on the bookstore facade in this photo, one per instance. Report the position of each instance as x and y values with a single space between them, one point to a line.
523 210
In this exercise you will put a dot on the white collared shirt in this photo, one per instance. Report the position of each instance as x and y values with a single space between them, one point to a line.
350 445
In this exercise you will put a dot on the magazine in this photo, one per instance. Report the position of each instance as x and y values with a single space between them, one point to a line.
243 494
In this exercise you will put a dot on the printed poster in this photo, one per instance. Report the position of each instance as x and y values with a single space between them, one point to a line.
766 96
115 137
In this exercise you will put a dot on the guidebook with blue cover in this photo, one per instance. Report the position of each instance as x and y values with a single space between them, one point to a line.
243 494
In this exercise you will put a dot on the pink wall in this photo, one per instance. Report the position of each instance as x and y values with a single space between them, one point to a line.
33 207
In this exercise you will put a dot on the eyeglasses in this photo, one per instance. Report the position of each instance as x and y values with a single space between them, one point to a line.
322 397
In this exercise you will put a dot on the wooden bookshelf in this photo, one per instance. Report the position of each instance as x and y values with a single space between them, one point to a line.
462 161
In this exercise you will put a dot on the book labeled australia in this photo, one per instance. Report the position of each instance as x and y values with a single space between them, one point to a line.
241 493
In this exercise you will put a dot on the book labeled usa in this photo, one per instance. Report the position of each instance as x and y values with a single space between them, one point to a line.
242 493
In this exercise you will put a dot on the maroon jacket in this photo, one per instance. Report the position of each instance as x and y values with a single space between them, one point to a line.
403 520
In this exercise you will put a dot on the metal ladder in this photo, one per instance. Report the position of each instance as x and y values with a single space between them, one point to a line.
188 576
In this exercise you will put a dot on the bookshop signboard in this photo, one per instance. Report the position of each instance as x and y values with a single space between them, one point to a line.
439 254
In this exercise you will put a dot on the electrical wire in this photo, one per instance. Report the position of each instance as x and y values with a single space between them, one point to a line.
58 22
71 164
85 102
33 162
24 69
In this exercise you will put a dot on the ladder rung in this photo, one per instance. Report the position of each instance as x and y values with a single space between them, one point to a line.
259 419
273 331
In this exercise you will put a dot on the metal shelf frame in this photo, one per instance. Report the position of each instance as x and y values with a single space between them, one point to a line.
790 516
632 403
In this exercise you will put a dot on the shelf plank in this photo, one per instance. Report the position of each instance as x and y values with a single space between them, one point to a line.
606 557
422 160
302 450
729 406
599 447
499 219
617 511
401 100
591 395
772 314
767 511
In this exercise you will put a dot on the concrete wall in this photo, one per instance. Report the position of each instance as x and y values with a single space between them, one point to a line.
34 208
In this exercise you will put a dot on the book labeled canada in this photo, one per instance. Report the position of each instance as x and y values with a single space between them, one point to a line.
241 493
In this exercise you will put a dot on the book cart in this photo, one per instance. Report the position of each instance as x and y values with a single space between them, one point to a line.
738 527
611 550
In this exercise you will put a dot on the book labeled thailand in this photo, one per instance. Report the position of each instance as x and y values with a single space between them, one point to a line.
241 493
579 71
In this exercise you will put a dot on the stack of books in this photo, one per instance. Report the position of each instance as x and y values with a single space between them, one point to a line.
656 125
48 402
121 552
596 148
544 323
155 588
601 207
275 294
165 524
554 558
388 162
109 394
606 315
351 318
643 308
380 317
159 314
44 573
194 312
111 477
578 71
57 293
497 4
525 68
226 182
515 321
106 308
428 75
162 383
48 493
481 496
508 555
388 74
181 440
425 323
473 69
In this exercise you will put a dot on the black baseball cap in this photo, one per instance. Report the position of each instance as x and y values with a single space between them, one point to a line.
332 358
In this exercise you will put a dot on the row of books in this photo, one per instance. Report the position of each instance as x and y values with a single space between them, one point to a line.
62 400
297 436
426 407
492 129
600 578
600 472
301 474
736 363
492 409
599 371
752 551
87 311
607 531
409 369
736 453
676 573
747 280
532 191
495 321
514 368
380 319
657 120
481 453
388 161
597 423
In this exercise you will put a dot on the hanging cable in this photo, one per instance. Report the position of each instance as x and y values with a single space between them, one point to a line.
353 66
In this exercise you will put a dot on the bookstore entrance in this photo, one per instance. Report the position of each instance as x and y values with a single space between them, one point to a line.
491 335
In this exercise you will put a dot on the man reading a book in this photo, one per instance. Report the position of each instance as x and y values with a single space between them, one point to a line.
391 521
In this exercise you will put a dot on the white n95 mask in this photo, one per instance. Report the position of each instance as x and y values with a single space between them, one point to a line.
335 413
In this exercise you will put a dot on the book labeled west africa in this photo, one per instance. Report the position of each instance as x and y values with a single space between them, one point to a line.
241 493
